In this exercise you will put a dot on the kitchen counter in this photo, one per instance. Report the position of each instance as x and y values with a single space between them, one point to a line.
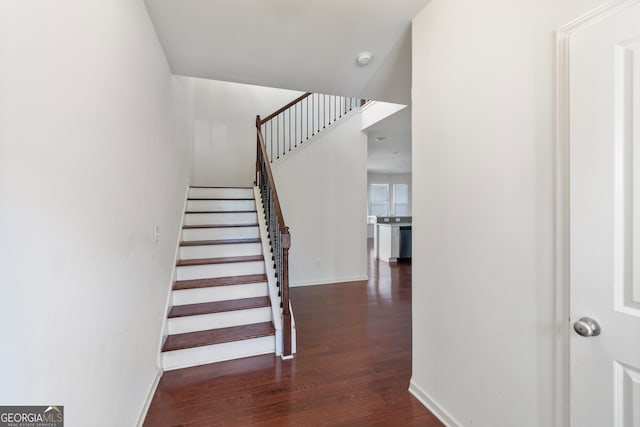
387 243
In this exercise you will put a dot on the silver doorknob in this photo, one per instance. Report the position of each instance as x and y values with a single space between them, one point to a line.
587 327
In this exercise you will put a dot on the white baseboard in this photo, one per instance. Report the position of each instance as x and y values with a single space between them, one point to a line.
329 281
147 402
432 406
169 297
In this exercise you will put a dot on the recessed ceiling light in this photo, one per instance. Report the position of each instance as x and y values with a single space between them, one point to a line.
381 138
364 58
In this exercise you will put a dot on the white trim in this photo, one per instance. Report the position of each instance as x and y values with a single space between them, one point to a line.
330 281
147 402
561 233
435 408
164 331
618 393
623 143
294 335
562 197
368 104
596 15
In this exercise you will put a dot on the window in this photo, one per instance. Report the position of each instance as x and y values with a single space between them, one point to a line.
401 199
378 199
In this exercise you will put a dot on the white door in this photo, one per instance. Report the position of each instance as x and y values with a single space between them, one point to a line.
605 220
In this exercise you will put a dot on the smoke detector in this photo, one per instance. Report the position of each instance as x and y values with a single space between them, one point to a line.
364 58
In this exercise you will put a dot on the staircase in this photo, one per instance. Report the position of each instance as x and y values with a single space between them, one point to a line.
220 302
227 301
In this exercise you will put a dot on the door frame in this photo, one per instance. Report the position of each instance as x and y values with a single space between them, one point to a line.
562 210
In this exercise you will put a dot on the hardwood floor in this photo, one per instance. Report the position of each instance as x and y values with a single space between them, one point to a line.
352 367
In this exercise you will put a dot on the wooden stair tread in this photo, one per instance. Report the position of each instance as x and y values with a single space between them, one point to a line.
225 260
217 336
218 306
187 227
220 212
219 198
201 186
218 242
219 281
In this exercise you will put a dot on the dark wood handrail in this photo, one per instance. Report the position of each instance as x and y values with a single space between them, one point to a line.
279 236
289 105
293 126
263 148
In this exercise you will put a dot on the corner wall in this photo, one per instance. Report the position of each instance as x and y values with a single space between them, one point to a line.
94 136
483 210
323 192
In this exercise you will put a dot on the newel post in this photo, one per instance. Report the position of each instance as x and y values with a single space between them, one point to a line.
257 150
285 239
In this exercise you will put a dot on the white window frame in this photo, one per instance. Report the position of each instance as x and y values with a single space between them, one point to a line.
371 201
395 204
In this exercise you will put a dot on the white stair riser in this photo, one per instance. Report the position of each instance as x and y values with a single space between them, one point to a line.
180 325
219 293
220 251
217 353
192 272
221 218
220 193
193 234
220 205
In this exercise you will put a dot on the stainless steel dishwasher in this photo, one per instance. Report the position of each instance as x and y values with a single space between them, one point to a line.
405 242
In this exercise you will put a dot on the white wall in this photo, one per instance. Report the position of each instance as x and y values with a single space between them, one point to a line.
225 132
483 211
93 156
323 191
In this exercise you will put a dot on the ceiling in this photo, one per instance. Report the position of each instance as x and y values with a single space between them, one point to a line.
306 45
393 154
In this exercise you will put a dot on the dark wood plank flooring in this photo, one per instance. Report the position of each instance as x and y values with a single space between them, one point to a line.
352 367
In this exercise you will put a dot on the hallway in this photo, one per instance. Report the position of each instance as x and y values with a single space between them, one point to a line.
352 367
